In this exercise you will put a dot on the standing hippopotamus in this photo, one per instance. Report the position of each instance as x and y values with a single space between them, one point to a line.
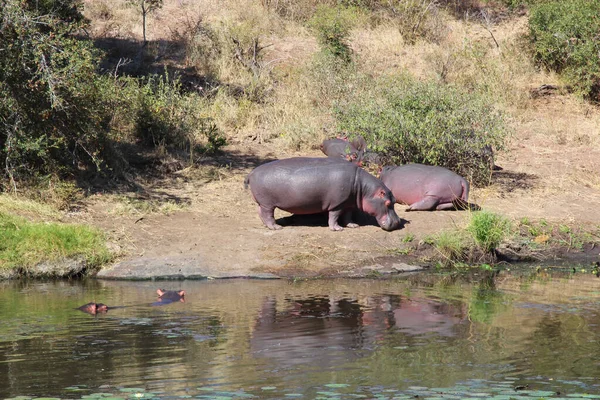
426 187
313 185
341 148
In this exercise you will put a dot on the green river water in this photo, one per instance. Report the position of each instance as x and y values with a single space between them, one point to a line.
518 336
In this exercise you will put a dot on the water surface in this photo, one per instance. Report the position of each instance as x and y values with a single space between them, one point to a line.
435 337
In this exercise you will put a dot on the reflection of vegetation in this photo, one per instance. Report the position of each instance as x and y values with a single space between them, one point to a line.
485 303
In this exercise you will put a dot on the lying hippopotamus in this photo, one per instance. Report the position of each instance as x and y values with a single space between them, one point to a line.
93 308
426 187
356 141
341 148
169 296
313 185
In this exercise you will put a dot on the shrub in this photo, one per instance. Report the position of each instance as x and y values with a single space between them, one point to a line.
51 108
332 26
488 230
564 35
409 121
168 117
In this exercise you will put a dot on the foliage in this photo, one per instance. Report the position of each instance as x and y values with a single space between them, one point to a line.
332 26
564 34
451 245
488 230
424 122
25 244
52 113
168 117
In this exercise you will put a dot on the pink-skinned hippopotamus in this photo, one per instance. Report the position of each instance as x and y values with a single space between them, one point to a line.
341 148
304 185
426 187
357 141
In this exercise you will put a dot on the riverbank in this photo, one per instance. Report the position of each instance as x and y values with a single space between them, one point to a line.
199 223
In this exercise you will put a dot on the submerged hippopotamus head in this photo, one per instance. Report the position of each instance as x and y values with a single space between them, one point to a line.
169 296
94 308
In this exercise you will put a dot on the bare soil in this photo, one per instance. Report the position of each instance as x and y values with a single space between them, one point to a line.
217 233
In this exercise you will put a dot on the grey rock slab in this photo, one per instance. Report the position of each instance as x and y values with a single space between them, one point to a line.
175 267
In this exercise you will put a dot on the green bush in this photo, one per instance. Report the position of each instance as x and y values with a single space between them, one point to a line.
564 34
332 26
410 121
168 117
51 109
488 230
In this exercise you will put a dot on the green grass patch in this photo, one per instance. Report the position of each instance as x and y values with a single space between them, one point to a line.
488 230
26 244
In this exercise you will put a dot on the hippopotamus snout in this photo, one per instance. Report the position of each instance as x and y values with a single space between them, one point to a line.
381 206
389 222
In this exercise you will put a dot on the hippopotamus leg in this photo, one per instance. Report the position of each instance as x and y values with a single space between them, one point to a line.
267 215
347 220
428 203
333 220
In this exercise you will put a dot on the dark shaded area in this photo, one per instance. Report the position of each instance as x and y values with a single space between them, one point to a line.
494 11
510 181
321 219
129 58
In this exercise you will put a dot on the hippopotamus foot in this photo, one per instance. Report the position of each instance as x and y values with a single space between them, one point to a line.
267 215
427 204
446 206
333 220
347 220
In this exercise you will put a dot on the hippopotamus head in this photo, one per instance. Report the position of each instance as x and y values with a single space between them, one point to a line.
94 308
381 206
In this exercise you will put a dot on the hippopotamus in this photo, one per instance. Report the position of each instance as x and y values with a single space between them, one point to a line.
169 296
93 308
304 185
357 141
426 187
341 148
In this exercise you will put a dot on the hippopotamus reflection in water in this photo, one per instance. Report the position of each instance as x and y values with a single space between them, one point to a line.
426 187
94 308
304 185
325 331
169 296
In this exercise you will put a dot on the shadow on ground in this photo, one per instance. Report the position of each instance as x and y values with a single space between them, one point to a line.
510 181
321 220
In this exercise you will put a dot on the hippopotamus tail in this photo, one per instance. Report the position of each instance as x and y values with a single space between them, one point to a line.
465 192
